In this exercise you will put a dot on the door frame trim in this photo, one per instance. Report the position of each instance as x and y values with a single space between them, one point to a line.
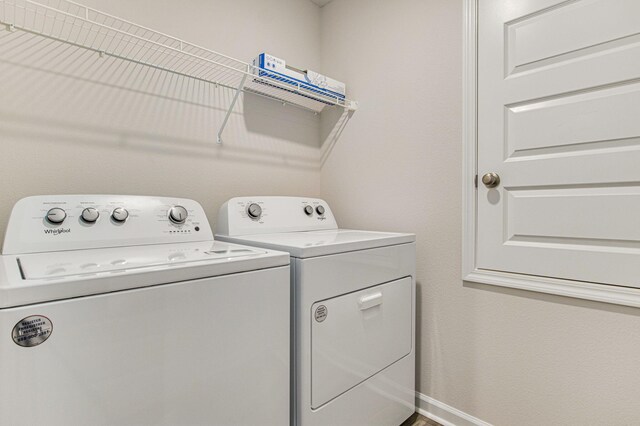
470 272
469 136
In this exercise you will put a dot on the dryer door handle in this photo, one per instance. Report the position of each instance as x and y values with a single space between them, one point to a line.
370 300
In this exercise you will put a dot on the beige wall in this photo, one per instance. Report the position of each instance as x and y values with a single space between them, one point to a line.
71 122
505 356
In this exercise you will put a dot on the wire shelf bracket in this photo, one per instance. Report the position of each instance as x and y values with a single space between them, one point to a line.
230 110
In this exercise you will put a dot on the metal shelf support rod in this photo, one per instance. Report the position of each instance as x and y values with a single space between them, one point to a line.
233 103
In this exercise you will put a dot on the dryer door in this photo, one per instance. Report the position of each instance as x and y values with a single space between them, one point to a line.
356 335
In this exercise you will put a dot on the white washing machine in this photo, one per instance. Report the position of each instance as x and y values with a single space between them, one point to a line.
353 310
122 310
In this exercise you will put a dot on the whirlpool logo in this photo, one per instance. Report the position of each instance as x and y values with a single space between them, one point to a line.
57 231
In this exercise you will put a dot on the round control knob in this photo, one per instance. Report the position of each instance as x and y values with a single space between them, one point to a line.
90 215
119 214
56 215
178 214
308 210
254 211
320 210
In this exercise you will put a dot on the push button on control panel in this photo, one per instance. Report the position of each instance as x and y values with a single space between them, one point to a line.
56 215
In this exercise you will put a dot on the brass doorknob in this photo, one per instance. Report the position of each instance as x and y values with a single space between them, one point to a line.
491 180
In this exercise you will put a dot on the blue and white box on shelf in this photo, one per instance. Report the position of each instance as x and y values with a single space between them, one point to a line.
271 67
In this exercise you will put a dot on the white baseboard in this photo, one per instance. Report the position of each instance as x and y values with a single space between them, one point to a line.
445 414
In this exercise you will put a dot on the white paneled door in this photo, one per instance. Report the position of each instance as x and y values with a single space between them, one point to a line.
558 120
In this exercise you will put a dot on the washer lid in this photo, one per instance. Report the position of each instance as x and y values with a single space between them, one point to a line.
92 262
42 277
321 243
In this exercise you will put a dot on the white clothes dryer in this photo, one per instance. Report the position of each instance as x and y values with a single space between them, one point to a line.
353 310
122 310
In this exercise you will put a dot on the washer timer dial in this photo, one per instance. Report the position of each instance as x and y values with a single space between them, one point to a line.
254 211
178 214
308 210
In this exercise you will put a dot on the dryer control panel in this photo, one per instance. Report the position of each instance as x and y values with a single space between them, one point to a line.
265 215
70 222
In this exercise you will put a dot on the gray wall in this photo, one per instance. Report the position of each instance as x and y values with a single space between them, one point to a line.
505 356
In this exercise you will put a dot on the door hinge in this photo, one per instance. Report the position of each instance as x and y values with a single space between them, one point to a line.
475 181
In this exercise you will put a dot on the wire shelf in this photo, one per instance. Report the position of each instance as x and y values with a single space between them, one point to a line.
107 35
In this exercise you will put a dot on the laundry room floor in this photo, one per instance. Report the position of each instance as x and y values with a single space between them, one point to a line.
418 420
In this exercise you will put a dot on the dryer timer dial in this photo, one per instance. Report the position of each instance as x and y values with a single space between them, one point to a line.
254 211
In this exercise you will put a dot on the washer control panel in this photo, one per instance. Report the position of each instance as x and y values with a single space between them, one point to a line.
262 215
70 222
